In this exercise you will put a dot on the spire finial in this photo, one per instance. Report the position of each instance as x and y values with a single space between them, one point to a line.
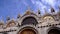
2 19
28 11
52 10
8 18
18 16
39 11
59 8
12 18
28 8
45 10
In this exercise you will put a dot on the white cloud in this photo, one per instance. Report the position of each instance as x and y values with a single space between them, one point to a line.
39 5
46 4
50 2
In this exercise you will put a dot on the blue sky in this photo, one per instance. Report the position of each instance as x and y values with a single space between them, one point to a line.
14 7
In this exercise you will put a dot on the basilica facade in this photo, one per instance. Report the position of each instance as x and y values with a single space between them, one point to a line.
32 23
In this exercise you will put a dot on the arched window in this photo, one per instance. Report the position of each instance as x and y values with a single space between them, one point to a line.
28 30
29 20
54 31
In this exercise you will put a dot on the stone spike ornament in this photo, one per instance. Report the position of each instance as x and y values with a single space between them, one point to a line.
59 8
45 11
28 8
8 18
28 11
39 11
52 10
18 16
